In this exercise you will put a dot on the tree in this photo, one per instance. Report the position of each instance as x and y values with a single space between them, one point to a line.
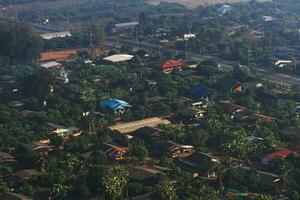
19 43
95 177
38 85
165 190
115 182
99 157
59 191
139 151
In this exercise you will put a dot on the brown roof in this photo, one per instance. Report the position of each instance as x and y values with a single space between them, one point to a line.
27 174
6 158
140 173
231 107
14 196
133 126
37 146
190 111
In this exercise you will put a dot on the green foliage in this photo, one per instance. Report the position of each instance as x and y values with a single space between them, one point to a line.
18 43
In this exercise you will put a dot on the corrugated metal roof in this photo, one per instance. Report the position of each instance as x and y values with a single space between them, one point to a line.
114 104
133 126
118 58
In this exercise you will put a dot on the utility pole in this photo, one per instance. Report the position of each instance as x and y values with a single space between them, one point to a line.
199 43
91 44
249 56
186 49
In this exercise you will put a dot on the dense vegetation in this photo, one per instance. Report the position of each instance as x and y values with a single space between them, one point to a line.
79 168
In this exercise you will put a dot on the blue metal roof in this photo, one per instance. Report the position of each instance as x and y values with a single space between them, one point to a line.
199 91
114 104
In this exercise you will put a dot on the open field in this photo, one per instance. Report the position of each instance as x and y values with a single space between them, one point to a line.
63 55
195 3
44 5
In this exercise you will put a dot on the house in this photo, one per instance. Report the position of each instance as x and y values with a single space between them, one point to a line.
190 64
125 128
14 196
161 33
189 36
114 152
67 132
15 104
224 9
49 36
229 86
268 18
282 63
6 158
51 65
281 154
231 108
38 147
124 26
7 79
32 114
254 139
167 66
146 174
200 164
266 178
200 97
269 95
27 174
118 58
148 133
263 118
54 127
191 113
115 105
174 150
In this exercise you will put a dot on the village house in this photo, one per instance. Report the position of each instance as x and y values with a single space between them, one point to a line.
7 79
15 104
161 33
200 97
114 152
230 86
124 26
27 174
200 164
115 105
51 65
191 113
146 174
174 150
6 158
118 58
148 133
231 108
38 147
66 133
281 154
167 66
125 128
14 196
49 36
266 178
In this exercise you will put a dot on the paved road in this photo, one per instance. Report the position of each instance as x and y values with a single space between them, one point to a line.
112 41
278 78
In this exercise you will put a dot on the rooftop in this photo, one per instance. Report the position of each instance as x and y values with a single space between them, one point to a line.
118 58
133 126
50 64
49 36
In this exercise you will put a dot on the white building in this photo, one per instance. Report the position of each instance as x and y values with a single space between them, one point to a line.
49 36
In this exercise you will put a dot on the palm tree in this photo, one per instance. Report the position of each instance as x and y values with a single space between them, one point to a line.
222 169
115 182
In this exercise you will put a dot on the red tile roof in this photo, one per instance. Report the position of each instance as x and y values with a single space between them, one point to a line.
283 153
